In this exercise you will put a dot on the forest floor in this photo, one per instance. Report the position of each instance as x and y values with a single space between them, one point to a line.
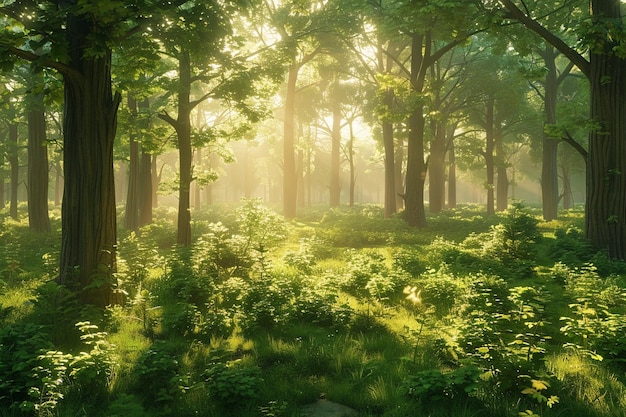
496 316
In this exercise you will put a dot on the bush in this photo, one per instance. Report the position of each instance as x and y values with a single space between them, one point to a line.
233 385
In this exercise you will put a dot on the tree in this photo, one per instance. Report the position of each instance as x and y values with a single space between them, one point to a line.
433 28
75 38
604 35
38 169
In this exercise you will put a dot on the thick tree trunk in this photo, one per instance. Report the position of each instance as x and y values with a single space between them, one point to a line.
605 208
549 169
14 162
415 172
290 184
416 167
87 261
335 182
38 218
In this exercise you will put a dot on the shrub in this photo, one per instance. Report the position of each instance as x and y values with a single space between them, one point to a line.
157 375
434 385
233 385
20 348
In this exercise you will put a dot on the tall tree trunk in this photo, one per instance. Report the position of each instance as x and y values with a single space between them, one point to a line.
605 207
290 183
399 175
14 162
502 181
155 179
567 187
335 165
87 260
145 178
58 183
489 157
131 215
389 160
416 167
451 176
437 168
38 218
183 132
549 169
300 185
145 189
352 167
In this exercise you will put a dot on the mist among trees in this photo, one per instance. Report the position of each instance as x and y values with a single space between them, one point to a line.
246 188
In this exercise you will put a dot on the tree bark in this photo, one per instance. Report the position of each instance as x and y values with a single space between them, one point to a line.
399 175
389 160
14 162
437 168
451 176
416 167
549 168
38 218
87 260
605 207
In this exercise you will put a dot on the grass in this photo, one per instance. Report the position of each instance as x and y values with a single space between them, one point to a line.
263 340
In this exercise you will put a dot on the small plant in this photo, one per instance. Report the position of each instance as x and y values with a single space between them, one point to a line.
233 384
433 385
422 313
536 391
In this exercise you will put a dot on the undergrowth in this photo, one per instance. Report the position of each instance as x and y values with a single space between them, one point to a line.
477 315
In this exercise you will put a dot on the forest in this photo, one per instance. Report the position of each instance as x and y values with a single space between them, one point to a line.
268 208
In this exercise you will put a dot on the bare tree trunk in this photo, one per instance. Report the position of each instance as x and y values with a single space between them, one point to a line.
89 239
38 176
335 165
14 162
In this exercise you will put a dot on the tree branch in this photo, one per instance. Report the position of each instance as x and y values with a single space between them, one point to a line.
548 36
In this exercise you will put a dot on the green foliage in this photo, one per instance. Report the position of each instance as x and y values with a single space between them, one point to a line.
434 385
35 377
20 348
233 384
369 276
157 376
597 323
